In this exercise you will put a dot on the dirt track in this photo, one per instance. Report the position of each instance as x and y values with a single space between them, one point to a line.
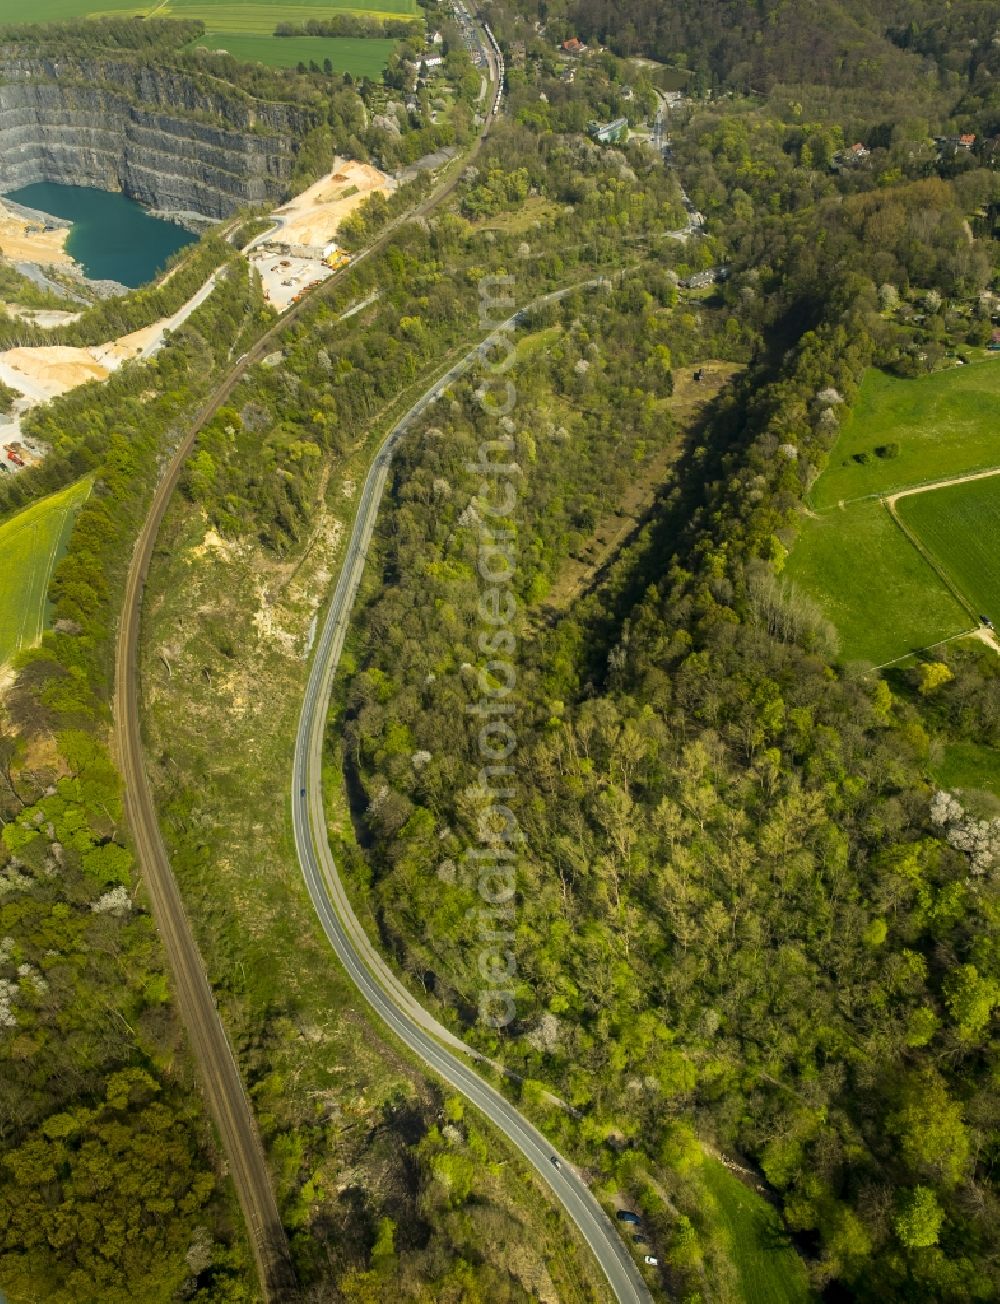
890 500
987 636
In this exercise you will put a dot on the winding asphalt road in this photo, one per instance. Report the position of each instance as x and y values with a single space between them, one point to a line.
216 1064
400 1011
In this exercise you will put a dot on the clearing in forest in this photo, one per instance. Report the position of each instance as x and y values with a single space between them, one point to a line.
30 544
972 770
767 1264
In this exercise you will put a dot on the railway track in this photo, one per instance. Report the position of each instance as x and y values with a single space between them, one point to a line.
215 1061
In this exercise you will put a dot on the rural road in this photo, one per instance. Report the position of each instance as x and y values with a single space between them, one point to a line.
400 1011
216 1064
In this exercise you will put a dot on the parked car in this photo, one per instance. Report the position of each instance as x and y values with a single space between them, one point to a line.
627 1216
651 1259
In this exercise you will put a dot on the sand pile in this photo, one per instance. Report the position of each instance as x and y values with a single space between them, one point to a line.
312 218
42 373
23 241
45 371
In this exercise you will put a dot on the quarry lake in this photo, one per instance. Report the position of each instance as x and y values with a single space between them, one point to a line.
112 238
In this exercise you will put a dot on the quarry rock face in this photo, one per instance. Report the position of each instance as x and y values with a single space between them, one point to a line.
169 140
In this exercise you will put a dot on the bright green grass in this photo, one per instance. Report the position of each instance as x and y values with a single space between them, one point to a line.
768 1267
970 767
248 17
30 545
960 526
361 57
883 597
945 425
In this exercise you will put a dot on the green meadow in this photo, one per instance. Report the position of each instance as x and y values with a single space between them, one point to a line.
944 425
30 545
959 525
883 597
360 56
252 16
972 769
769 1268
246 27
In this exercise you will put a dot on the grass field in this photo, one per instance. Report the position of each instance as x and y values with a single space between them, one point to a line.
30 545
246 27
960 526
972 768
257 17
944 424
880 593
769 1269
361 57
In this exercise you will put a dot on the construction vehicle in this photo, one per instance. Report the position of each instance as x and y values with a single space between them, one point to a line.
14 457
337 260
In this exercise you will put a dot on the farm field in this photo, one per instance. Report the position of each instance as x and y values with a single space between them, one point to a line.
883 597
360 56
30 544
768 1267
246 27
960 526
944 424
251 16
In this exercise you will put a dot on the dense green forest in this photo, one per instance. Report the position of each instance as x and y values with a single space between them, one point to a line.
734 904
730 889
110 1188
271 470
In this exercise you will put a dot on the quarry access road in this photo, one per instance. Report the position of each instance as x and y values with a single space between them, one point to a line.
435 1045
213 1054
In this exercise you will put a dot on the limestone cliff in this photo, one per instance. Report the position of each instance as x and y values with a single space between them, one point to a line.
166 138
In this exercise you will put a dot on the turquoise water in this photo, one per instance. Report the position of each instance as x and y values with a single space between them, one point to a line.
113 238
